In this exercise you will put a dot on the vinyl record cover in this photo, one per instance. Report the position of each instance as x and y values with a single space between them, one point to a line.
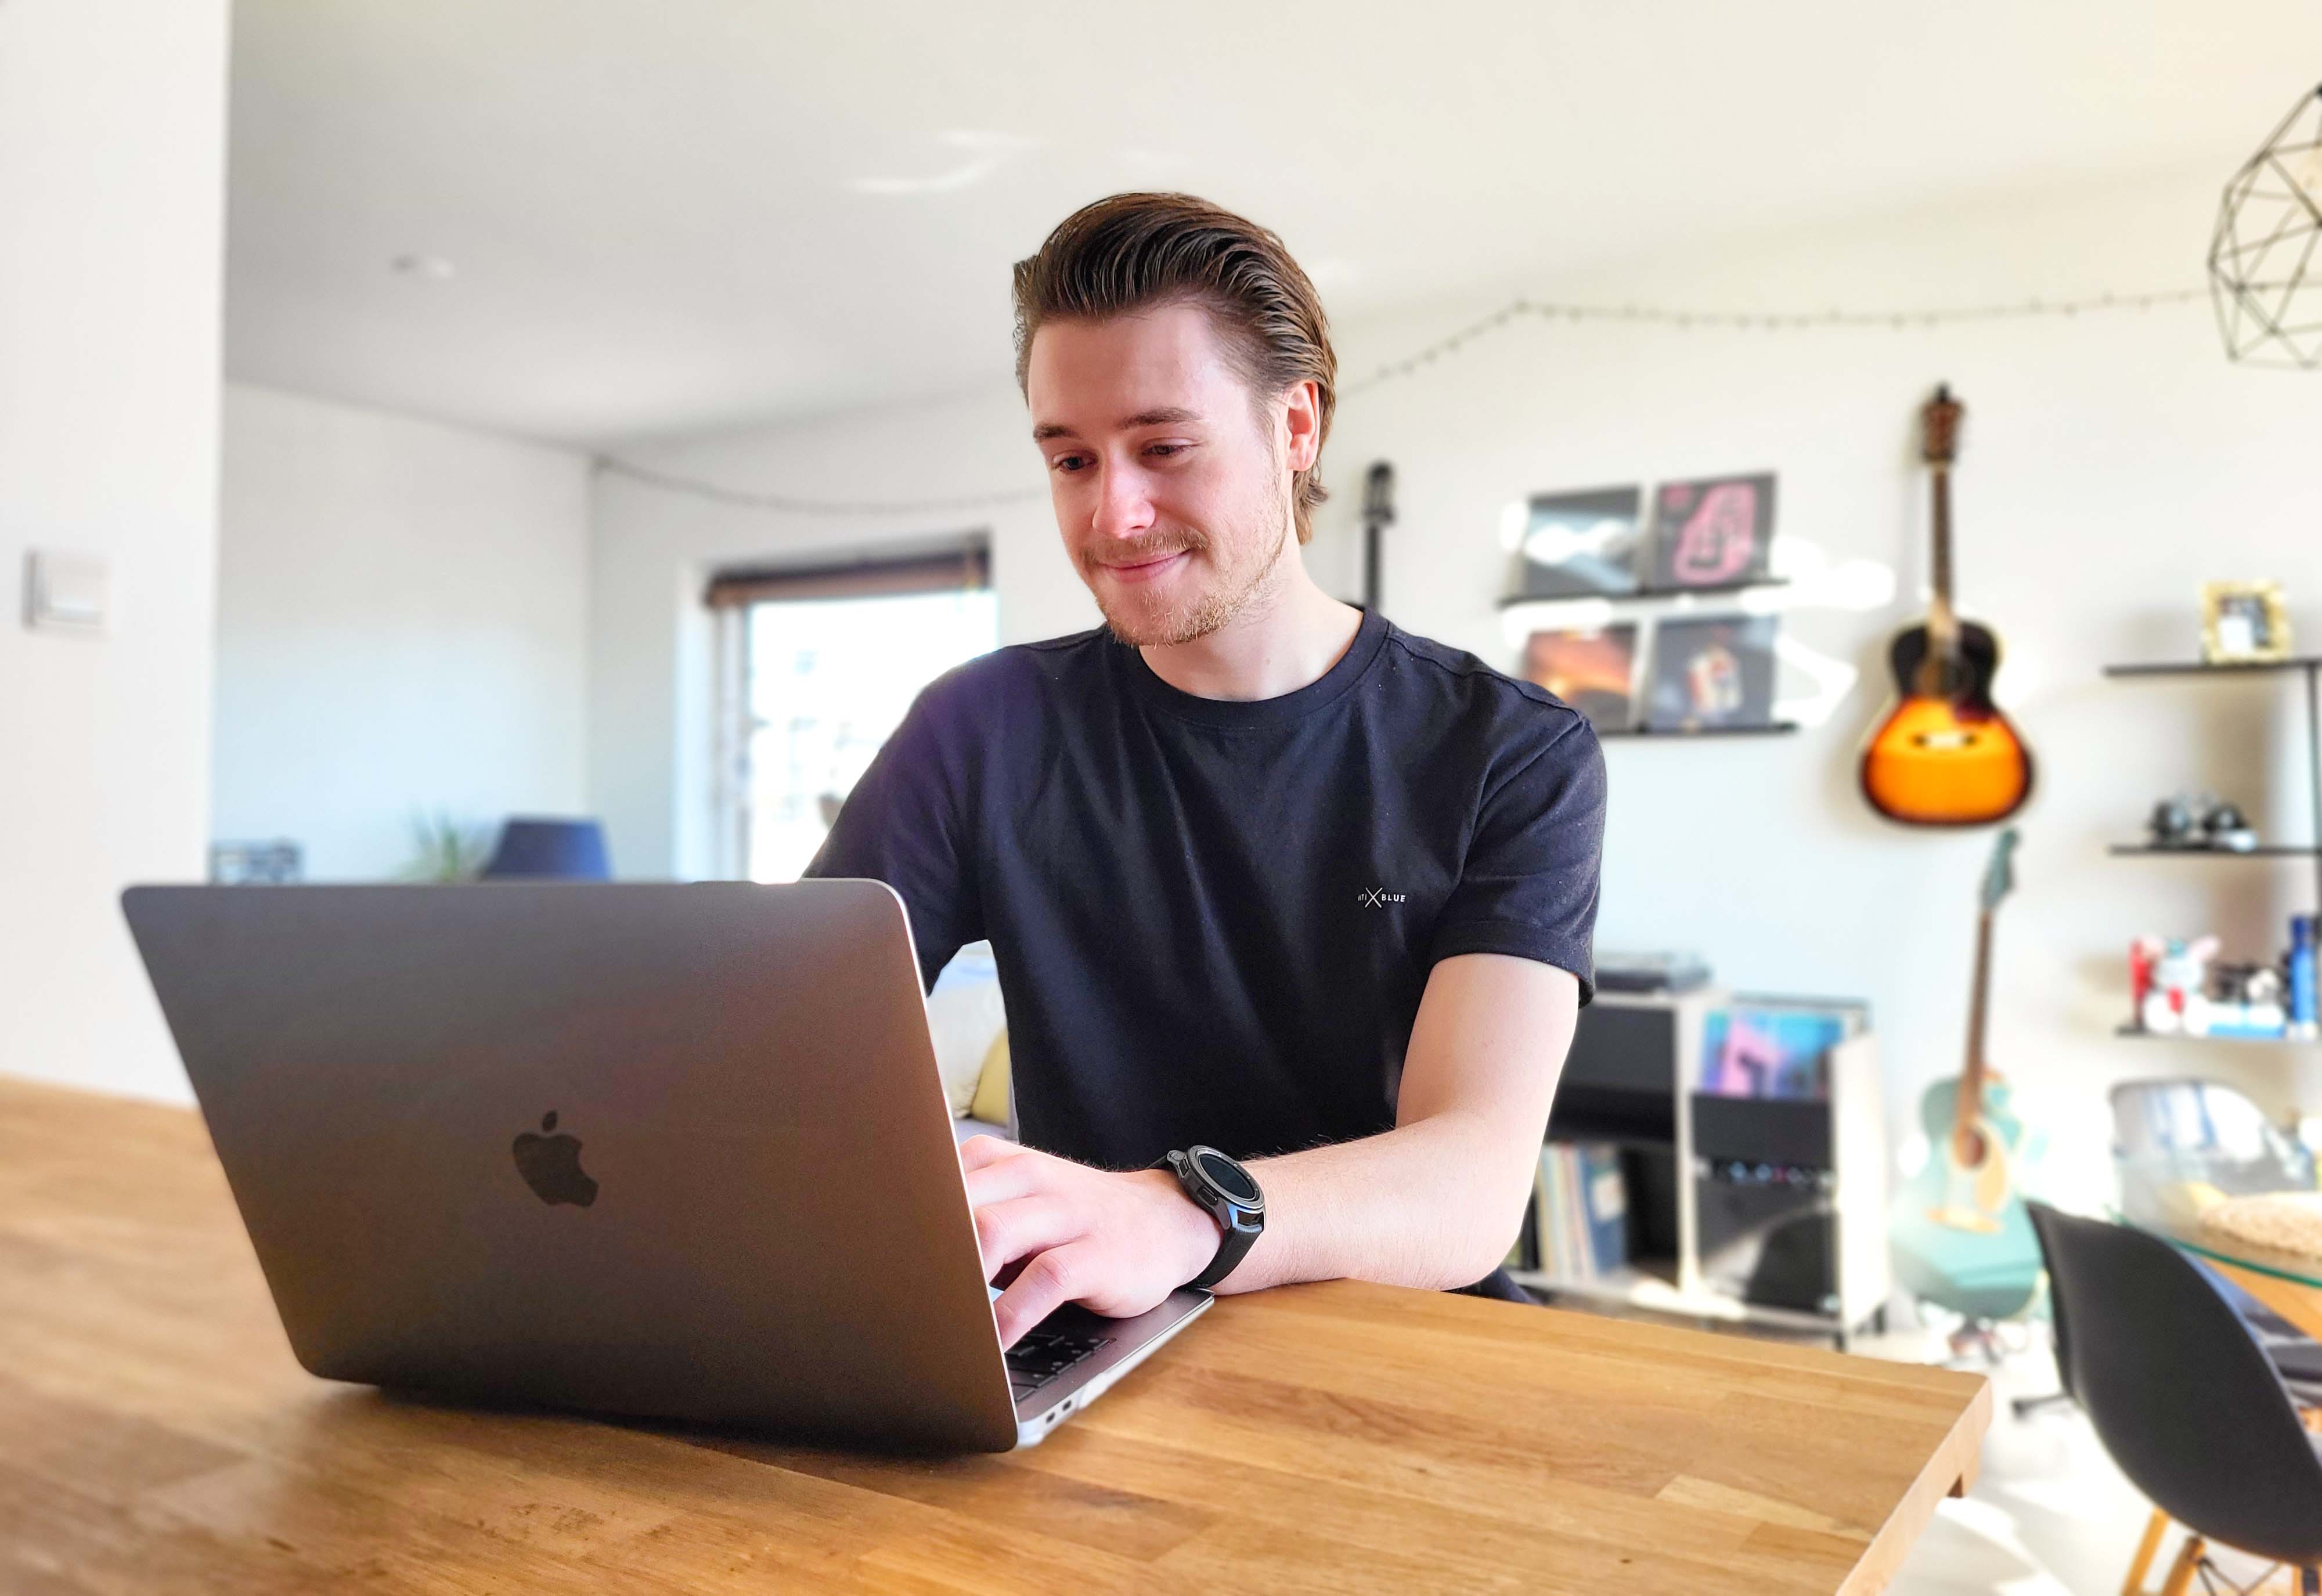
1582 545
1752 1051
1714 671
1593 672
1713 532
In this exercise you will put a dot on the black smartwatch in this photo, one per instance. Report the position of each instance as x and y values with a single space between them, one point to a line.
1228 1194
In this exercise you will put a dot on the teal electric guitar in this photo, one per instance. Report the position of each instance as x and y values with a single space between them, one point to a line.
1962 1239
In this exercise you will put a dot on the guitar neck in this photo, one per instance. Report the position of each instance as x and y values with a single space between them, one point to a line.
1972 1078
1941 618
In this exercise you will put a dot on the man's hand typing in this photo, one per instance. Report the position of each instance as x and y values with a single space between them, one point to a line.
1052 1231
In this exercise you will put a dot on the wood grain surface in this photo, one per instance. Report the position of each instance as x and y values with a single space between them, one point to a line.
2295 1301
155 1436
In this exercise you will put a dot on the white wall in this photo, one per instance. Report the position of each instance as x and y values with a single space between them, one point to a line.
402 628
112 158
2111 462
650 690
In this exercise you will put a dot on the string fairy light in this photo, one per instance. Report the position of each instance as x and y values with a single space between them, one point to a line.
1689 320
1683 319
742 498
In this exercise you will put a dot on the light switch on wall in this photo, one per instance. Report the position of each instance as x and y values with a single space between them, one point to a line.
66 592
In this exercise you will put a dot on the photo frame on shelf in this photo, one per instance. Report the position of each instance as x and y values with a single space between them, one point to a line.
1581 545
1774 1048
275 861
1713 531
1594 671
2244 622
1712 672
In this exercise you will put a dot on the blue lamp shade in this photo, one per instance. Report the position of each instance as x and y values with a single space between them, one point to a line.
556 850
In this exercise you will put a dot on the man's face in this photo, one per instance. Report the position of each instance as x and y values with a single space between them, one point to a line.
1173 494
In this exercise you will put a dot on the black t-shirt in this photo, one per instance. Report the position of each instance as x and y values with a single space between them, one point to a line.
1213 919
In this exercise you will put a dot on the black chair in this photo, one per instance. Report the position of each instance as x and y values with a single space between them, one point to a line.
2296 1357
2172 1133
538 849
2183 1397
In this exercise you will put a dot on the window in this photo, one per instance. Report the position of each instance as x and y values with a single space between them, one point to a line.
816 668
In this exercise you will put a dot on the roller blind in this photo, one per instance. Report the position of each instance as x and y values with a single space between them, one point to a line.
967 567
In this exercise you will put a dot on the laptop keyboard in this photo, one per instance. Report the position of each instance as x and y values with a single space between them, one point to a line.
1043 1355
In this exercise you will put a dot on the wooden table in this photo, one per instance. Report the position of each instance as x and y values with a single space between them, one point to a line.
2288 1283
155 1436
2299 1303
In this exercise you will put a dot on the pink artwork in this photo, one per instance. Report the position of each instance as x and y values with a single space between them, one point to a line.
1745 1066
1712 534
1776 1051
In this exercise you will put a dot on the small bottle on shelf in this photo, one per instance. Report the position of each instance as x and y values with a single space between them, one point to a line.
2302 977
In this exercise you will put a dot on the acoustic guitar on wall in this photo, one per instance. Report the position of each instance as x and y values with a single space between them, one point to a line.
1945 755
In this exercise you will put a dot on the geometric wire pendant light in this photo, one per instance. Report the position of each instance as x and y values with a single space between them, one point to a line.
2265 260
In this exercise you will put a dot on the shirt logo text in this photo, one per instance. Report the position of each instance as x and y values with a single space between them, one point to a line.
1378 896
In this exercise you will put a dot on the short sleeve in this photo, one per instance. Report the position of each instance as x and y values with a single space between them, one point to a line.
905 825
1528 885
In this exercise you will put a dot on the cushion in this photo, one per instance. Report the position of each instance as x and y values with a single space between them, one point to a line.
991 1100
965 1014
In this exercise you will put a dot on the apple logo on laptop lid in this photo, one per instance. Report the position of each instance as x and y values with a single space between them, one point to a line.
551 1165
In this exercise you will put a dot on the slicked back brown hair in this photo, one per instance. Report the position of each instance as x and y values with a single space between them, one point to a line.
1137 251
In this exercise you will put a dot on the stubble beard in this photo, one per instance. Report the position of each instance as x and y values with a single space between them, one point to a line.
1253 572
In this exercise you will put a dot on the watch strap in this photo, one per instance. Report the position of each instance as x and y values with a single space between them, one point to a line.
1238 1228
1233 1247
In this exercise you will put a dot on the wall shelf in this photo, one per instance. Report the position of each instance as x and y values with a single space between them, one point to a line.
2307 662
2263 851
2310 666
1635 594
2142 1034
1771 729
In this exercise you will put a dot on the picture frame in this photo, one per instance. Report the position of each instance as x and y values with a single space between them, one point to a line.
274 862
1774 1047
1713 531
1584 544
1711 673
1594 670
2244 622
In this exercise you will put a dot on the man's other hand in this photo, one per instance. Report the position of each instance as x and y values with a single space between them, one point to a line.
1117 1243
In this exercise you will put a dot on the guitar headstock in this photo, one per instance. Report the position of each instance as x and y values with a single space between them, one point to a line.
1378 495
1938 425
1999 875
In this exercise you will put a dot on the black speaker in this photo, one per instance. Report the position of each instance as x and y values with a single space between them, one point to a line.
1768 1234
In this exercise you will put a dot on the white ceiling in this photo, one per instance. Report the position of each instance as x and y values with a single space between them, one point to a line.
666 214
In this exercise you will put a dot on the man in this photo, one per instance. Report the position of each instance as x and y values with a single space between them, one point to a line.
1260 871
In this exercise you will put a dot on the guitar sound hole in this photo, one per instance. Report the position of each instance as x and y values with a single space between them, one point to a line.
1949 742
1967 1147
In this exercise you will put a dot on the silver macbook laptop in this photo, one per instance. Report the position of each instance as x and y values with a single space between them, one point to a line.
669 1151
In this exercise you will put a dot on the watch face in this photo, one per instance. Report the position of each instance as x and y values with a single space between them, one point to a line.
1227 1176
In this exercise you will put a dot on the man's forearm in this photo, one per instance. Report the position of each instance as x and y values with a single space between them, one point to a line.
1436 1203
1437 1200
